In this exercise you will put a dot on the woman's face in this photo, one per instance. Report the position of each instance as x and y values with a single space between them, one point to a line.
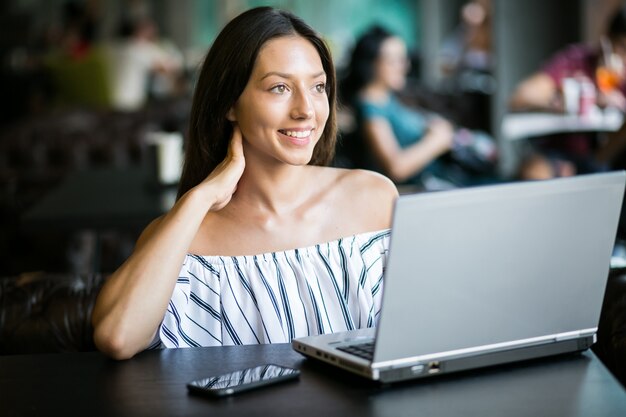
284 107
392 64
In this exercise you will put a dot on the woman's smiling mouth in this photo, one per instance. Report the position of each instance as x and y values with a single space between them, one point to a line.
298 137
296 133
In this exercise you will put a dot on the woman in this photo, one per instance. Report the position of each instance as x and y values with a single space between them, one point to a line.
238 259
404 143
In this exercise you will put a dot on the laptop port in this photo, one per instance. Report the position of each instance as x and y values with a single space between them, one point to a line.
433 367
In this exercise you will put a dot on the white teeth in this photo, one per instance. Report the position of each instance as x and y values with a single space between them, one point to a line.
300 134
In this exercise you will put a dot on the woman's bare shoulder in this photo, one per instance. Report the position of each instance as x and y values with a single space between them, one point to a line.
366 183
367 196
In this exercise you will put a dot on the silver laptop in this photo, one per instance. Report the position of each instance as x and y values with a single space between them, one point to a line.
484 276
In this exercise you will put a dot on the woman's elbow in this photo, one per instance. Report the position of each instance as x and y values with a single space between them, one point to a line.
397 173
523 99
516 102
113 344
537 92
396 178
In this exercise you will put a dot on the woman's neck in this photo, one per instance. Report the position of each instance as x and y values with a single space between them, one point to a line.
273 189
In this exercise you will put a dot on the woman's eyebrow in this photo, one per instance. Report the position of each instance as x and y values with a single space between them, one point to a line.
285 75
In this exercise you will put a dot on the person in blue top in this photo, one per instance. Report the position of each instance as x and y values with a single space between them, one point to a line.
265 241
403 142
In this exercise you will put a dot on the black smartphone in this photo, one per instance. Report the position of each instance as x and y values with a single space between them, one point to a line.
243 380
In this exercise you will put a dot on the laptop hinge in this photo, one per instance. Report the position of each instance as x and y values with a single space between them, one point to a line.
567 336
589 332
575 335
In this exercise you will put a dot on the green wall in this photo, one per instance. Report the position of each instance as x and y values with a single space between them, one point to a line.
339 21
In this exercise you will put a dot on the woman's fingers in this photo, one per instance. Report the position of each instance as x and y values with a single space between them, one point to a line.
226 175
235 149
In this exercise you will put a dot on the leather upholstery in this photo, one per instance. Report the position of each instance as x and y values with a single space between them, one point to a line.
47 313
611 345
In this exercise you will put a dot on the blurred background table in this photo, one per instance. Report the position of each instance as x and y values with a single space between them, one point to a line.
517 126
108 198
97 214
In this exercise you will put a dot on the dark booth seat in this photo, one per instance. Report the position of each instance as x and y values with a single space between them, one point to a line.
611 345
43 313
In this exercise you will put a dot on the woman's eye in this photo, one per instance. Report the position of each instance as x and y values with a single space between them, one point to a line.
320 88
280 89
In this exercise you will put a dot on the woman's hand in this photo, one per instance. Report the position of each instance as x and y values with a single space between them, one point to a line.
612 99
224 178
441 134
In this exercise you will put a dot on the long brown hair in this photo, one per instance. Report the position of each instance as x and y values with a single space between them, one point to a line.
223 77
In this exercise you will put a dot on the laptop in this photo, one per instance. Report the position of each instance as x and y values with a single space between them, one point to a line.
484 276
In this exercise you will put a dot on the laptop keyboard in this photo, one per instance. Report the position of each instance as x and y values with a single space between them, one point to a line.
362 350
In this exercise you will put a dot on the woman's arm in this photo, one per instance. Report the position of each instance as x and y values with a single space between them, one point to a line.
538 92
132 303
403 163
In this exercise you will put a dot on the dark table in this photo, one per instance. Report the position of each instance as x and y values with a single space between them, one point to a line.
94 199
153 384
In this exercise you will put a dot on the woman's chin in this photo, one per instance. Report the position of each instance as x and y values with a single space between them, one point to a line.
397 85
298 159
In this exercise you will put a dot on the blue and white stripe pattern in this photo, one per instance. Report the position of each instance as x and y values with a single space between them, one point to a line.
274 297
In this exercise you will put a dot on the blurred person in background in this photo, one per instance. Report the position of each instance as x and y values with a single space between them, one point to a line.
79 30
142 65
600 67
469 46
76 61
466 65
403 142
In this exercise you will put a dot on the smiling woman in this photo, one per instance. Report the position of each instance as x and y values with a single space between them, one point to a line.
265 242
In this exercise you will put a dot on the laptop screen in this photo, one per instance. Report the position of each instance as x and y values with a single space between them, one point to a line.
497 264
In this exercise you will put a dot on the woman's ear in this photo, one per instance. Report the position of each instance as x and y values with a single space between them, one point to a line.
230 115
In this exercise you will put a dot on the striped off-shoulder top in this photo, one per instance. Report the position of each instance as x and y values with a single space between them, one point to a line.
274 297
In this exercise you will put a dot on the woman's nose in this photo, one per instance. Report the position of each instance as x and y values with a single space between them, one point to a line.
302 107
